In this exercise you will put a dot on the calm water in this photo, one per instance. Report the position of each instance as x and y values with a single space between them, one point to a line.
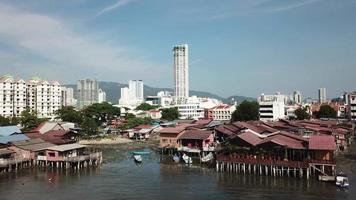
120 178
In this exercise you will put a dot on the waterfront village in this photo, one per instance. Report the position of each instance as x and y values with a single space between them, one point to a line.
48 125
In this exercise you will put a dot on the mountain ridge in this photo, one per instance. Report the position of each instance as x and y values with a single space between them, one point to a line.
113 92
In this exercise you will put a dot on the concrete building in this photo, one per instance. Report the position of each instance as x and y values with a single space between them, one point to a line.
132 95
181 73
351 105
322 95
68 96
12 96
297 97
162 99
87 92
221 112
272 107
190 111
101 96
136 90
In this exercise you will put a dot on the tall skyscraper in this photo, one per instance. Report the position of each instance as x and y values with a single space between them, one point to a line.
181 73
297 97
322 95
87 92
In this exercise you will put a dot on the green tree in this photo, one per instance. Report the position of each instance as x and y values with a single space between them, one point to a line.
326 111
29 120
69 114
247 110
101 112
145 107
134 121
301 114
4 121
89 127
170 114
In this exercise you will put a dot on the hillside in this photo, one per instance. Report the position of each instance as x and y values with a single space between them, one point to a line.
112 90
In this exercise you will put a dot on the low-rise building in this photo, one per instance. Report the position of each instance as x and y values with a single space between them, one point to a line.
221 112
272 107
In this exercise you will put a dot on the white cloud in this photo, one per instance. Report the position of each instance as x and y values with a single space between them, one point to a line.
117 4
50 39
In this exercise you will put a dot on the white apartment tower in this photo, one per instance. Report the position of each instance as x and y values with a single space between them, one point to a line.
136 89
101 96
181 73
68 96
297 97
87 92
322 95
12 96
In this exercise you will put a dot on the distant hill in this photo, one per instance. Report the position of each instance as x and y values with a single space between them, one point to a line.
113 94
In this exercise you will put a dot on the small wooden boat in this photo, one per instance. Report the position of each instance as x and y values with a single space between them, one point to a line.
176 159
208 157
138 158
187 159
342 180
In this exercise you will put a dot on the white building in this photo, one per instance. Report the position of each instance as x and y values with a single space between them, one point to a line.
87 92
136 90
297 97
351 105
68 96
132 95
162 99
44 97
190 111
12 96
101 96
272 107
322 95
222 112
181 72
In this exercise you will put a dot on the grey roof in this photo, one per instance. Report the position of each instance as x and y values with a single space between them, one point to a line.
65 147
214 123
9 130
13 138
32 144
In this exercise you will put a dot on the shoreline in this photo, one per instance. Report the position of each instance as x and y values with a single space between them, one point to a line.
105 141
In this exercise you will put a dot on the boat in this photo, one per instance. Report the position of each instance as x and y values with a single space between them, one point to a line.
342 180
141 152
187 159
138 158
176 158
208 157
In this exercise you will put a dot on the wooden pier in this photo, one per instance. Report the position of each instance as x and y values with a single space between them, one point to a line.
14 164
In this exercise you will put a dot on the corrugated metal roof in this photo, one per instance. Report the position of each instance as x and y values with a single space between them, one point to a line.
321 142
13 138
250 138
195 134
9 130
65 147
32 144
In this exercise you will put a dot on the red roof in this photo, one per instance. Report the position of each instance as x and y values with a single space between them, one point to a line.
175 130
319 142
54 136
250 138
195 134
143 126
203 121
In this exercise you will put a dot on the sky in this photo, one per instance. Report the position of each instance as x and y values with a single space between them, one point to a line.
237 47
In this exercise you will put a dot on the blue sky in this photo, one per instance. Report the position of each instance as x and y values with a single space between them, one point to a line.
237 47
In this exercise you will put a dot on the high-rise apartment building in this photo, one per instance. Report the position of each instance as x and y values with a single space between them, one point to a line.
297 97
181 73
38 95
322 95
101 96
87 92
68 96
132 95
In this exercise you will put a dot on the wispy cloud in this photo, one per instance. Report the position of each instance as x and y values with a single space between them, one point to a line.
116 5
44 39
289 6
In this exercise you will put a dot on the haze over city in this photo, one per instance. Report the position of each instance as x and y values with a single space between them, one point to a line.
236 47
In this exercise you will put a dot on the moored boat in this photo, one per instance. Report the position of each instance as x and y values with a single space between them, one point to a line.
141 152
342 180
208 157
176 158
138 158
187 159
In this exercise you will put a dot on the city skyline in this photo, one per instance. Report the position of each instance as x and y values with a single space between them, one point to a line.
254 47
